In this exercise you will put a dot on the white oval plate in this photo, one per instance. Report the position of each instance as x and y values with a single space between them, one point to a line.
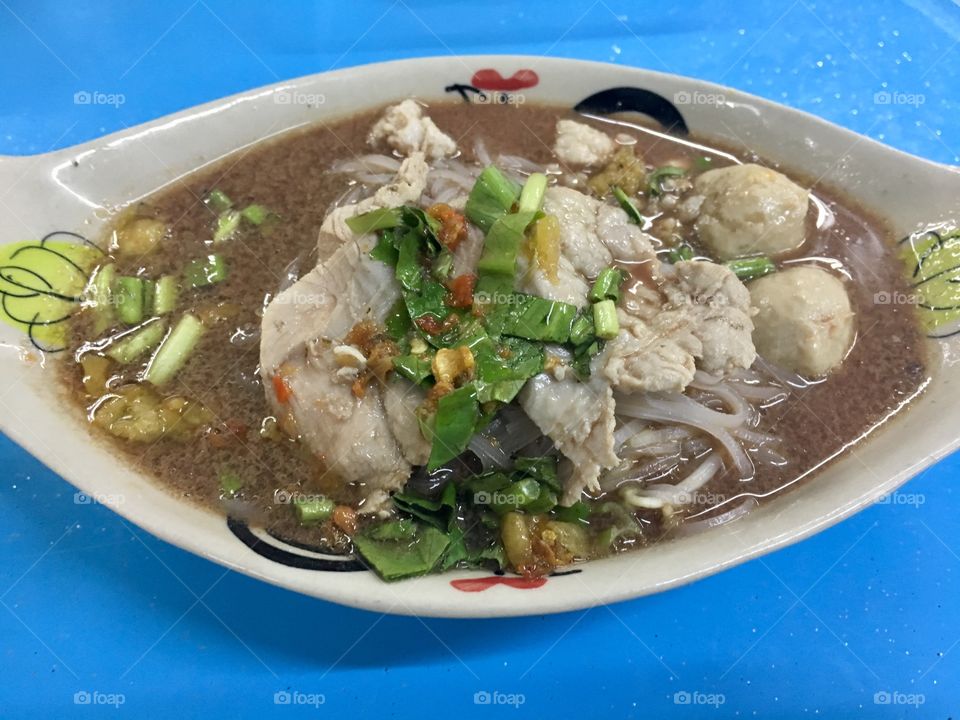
73 190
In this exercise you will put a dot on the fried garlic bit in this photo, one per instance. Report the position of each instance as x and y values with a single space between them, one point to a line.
451 366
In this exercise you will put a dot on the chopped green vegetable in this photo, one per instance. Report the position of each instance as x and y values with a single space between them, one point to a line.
136 343
174 351
607 285
381 219
542 469
409 270
492 196
416 368
545 501
583 354
440 512
313 511
230 482
401 549
516 495
385 251
703 162
628 206
205 271
101 295
227 224
129 299
443 265
453 426
582 330
751 268
605 319
502 245
149 297
165 296
402 529
656 178
254 214
680 253
531 196
218 201
398 322
578 512
533 318
508 358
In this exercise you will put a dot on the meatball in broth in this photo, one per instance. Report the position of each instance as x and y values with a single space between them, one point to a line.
804 321
750 210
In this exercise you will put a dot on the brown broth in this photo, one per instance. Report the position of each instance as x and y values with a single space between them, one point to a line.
288 175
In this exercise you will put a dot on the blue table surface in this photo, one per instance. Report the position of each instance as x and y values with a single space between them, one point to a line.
862 618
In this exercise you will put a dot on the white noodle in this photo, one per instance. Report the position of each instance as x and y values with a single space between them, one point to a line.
683 493
631 472
481 154
692 527
676 408
368 163
490 454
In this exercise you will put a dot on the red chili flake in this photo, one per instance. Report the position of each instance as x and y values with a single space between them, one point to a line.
431 326
282 389
453 224
461 290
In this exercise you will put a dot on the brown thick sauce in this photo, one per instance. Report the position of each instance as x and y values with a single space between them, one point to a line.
288 175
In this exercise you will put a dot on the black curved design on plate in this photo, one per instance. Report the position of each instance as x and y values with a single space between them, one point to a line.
633 99
29 284
277 554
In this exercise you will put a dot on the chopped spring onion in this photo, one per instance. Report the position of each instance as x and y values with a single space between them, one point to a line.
607 285
502 245
605 319
227 224
313 511
751 268
578 512
531 197
628 206
230 482
165 295
205 271
136 343
254 214
129 299
516 495
656 178
101 291
174 351
149 297
492 196
681 252
218 201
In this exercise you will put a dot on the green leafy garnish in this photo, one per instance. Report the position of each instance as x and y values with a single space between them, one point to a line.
751 268
656 178
628 206
532 317
453 425
492 196
440 512
402 549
